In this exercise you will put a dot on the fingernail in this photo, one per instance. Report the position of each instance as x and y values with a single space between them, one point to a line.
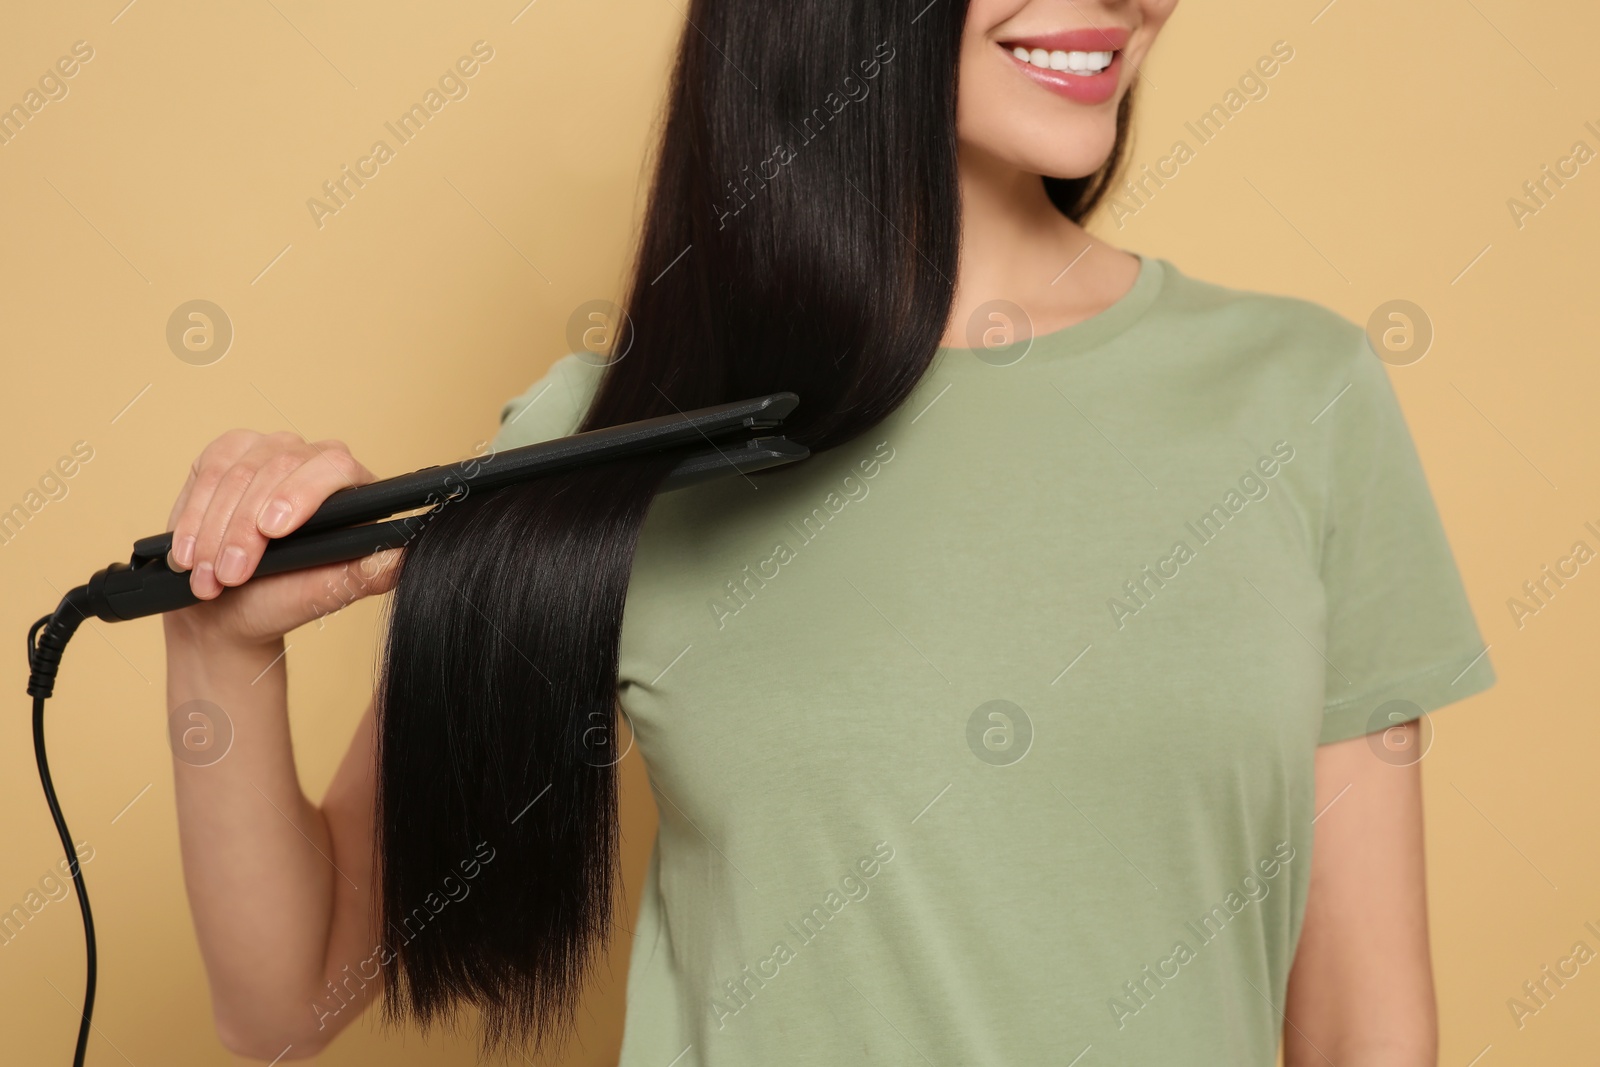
203 582
184 553
275 519
230 569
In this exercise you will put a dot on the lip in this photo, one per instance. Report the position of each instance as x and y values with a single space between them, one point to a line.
1079 88
1107 39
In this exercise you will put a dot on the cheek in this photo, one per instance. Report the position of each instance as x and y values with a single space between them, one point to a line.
1153 14
985 22
985 15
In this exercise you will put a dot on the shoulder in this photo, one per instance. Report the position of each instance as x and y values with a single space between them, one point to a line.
552 406
1291 362
1289 332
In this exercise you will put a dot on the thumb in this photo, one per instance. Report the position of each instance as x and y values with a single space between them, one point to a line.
341 584
381 570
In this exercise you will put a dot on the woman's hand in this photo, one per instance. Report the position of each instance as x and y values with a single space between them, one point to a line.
245 489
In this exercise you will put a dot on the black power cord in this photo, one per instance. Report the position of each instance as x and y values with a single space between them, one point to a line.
44 656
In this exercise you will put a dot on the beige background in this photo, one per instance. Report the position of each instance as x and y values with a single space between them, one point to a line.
178 167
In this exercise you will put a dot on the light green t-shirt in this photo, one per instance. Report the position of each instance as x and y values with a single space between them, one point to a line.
988 738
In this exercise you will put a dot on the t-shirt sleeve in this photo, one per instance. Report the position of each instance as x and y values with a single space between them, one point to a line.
551 407
1401 639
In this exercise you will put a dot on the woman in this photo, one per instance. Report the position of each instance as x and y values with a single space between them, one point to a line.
993 733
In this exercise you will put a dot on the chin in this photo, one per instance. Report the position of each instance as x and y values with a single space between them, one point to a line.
1054 148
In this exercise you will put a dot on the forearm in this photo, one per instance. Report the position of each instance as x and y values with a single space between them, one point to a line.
256 853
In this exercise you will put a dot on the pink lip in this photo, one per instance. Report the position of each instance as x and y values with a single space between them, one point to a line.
1109 39
1080 88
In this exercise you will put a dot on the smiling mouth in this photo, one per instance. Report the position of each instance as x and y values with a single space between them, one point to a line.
1082 52
1081 63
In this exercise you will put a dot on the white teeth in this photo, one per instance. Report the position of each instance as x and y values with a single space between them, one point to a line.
1075 62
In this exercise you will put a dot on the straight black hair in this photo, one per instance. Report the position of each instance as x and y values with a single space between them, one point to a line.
803 234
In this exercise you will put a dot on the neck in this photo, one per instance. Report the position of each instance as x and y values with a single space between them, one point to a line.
1016 246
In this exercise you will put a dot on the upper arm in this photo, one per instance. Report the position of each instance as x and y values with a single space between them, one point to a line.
1362 979
1401 639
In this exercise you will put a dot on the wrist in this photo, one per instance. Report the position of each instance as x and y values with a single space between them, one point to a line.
189 632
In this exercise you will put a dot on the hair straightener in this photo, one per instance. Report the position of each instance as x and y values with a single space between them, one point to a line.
354 523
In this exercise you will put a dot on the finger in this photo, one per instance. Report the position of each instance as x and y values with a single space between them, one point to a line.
339 585
374 575
283 602
242 543
297 497
177 509
288 486
386 570
204 474
226 493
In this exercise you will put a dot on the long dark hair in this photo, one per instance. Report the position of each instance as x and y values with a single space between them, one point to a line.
802 233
